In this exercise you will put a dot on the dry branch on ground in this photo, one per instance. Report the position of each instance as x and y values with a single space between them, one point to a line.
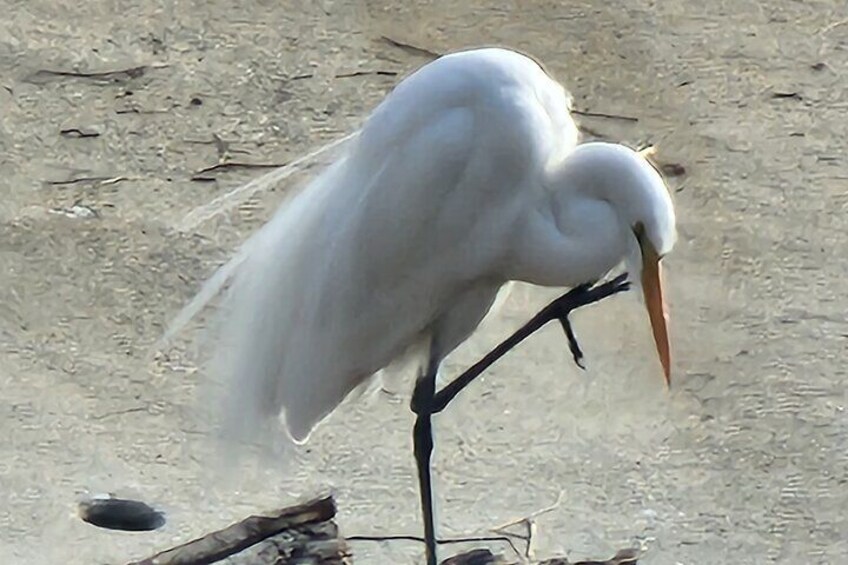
307 534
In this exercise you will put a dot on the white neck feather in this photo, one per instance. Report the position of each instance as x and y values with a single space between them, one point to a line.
582 225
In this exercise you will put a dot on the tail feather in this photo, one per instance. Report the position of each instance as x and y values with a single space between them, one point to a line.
267 331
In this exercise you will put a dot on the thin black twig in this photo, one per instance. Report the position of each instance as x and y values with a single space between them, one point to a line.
412 49
199 175
78 180
419 539
42 76
135 110
367 73
605 115
112 413
78 133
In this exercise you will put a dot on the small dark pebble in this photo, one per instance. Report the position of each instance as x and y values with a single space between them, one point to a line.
121 514
818 66
787 95
673 169
196 101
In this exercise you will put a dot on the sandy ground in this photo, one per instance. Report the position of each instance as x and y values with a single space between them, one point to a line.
743 462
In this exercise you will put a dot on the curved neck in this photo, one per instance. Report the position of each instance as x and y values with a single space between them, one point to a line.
567 241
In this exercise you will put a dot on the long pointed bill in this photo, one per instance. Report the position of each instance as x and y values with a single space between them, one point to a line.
657 312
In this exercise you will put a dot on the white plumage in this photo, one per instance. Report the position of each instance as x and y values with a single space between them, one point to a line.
465 177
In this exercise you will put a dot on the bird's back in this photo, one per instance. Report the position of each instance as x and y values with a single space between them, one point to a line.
371 256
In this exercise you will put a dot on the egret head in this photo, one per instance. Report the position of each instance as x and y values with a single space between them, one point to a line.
635 209
650 215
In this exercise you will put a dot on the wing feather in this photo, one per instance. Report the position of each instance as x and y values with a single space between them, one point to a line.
359 266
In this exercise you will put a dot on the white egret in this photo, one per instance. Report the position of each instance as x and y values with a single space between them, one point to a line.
467 176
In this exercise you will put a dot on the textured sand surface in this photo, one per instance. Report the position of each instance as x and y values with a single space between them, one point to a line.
743 462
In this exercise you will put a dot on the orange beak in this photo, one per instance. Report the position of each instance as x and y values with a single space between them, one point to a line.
657 311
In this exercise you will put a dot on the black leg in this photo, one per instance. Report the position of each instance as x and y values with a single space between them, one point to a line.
422 437
426 402
559 309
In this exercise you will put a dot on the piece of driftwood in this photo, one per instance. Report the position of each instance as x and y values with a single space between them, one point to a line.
304 534
486 557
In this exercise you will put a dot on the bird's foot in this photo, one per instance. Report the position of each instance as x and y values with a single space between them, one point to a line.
583 295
